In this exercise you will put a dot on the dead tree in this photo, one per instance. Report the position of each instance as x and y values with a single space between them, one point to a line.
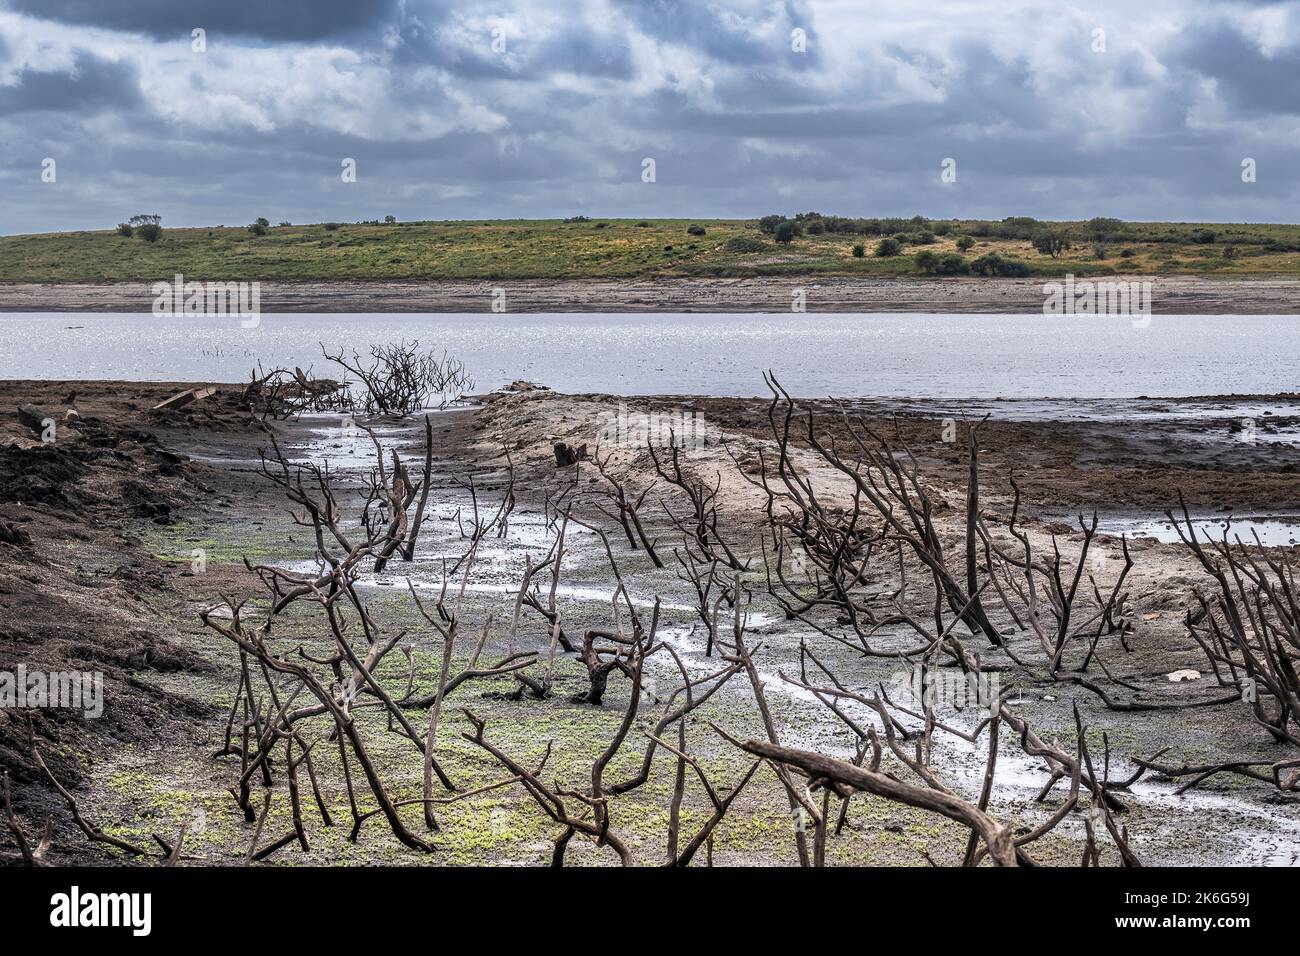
701 525
344 678
27 854
1042 595
879 730
703 575
622 650
863 565
283 394
590 813
626 509
862 562
1248 627
887 483
529 593
400 378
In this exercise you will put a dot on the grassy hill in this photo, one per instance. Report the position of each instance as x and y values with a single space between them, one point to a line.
606 248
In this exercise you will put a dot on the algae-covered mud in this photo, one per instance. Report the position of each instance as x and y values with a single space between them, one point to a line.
728 631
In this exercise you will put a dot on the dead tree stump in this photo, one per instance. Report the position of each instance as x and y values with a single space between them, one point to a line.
566 454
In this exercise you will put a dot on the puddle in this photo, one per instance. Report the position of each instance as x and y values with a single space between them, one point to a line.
1274 531
336 439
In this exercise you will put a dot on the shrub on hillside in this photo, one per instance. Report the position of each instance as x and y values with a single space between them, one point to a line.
1104 229
1017 227
744 244
888 247
994 265
787 232
951 264
148 226
1051 242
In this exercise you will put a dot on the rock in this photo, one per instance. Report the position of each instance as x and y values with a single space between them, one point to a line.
1177 677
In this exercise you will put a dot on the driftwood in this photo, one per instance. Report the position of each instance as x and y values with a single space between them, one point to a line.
186 397
33 417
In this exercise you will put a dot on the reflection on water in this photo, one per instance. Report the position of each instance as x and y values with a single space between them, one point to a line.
979 356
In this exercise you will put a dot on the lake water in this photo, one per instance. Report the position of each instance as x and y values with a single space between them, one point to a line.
935 356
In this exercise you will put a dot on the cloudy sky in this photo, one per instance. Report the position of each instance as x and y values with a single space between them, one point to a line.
532 108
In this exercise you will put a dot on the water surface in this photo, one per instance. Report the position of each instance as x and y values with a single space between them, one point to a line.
878 354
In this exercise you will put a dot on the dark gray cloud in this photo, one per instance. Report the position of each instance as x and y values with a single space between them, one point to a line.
1250 82
269 19
557 118
89 86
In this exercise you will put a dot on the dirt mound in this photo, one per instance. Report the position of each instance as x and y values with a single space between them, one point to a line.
95 465
229 408
55 619
77 592
39 475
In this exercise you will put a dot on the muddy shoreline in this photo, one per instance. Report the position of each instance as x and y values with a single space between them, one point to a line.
150 768
1171 295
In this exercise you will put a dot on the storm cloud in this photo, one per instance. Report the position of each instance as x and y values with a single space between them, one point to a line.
522 108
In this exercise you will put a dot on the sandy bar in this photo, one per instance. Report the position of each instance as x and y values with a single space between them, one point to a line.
1171 295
